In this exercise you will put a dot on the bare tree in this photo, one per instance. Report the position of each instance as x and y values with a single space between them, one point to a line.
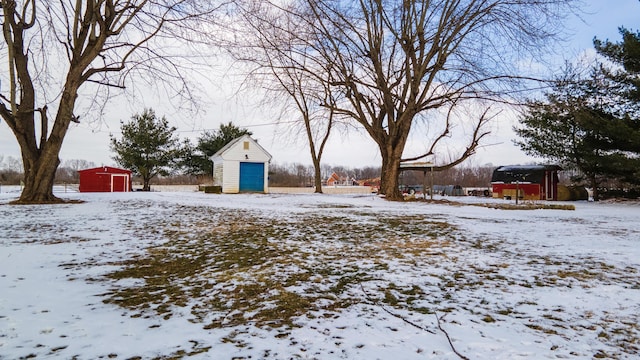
273 44
78 164
68 170
11 163
54 49
394 63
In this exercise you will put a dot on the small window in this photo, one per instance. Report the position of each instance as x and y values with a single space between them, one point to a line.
246 145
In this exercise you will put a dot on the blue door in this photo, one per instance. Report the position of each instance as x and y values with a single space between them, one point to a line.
251 177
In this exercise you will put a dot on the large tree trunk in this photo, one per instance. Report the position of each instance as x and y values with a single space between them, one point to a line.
39 156
389 185
317 175
145 184
38 179
389 178
41 160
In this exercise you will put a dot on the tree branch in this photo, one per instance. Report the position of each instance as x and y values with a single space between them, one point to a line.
448 337
373 301
44 125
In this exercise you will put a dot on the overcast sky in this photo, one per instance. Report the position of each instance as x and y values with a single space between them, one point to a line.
90 141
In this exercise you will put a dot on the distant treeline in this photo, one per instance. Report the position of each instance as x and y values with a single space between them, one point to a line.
280 175
300 175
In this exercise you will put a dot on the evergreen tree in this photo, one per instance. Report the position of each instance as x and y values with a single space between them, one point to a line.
551 130
196 160
625 54
148 147
624 104
593 125
575 126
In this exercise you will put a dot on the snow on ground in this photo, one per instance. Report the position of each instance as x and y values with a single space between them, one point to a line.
203 276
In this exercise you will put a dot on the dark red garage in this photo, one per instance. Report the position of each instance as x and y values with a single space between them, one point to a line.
531 182
105 179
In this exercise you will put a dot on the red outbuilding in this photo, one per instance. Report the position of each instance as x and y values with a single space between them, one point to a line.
530 182
105 179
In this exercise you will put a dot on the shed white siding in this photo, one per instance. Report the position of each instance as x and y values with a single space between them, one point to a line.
231 177
217 173
226 163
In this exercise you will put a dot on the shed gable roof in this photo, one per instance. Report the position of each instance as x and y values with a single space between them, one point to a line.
528 168
238 142
105 169
522 173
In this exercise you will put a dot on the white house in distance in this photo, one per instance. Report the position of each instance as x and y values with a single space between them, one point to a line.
241 166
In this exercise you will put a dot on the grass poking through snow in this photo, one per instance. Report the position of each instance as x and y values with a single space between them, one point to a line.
235 267
231 268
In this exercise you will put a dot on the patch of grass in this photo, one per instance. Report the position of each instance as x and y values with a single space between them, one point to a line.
231 268
389 298
582 274
488 319
527 206
335 206
601 355
541 329
506 312
552 317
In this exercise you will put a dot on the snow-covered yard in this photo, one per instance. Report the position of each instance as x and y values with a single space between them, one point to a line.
201 276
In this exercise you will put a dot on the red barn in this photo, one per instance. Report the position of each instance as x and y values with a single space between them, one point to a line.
105 179
531 182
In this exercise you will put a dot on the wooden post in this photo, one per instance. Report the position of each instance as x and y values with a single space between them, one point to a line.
431 191
424 184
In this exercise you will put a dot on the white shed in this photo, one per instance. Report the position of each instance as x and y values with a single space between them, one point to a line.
241 166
